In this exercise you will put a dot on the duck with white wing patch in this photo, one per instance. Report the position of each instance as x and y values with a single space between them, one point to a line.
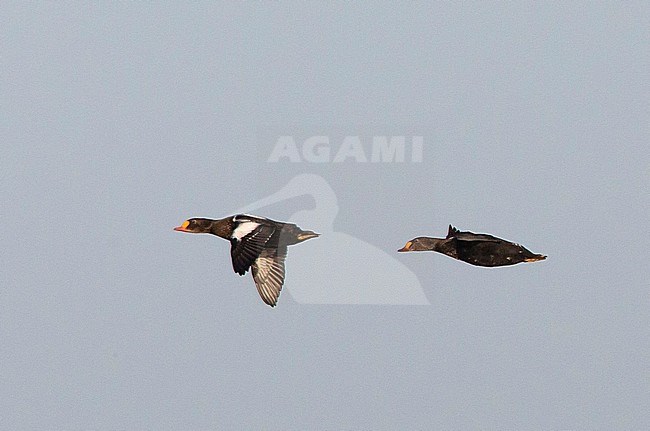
256 243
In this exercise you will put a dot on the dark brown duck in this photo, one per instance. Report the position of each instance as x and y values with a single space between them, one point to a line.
256 243
474 248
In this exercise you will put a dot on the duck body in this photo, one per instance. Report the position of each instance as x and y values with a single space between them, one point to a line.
256 243
475 249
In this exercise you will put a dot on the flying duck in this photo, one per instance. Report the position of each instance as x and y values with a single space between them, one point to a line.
474 248
257 243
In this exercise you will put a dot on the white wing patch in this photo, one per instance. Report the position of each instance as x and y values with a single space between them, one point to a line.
250 216
243 229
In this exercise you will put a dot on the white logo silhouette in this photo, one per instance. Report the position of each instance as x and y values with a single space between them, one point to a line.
337 268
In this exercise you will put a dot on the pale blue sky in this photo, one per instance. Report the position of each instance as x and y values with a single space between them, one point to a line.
120 120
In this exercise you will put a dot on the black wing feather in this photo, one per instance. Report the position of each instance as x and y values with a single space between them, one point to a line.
244 252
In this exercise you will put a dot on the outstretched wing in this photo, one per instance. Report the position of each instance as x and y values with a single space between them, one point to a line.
247 243
268 273
470 236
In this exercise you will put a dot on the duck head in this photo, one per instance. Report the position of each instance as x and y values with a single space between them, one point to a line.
196 225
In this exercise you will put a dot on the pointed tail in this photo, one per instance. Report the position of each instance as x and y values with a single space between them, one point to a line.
535 258
307 234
